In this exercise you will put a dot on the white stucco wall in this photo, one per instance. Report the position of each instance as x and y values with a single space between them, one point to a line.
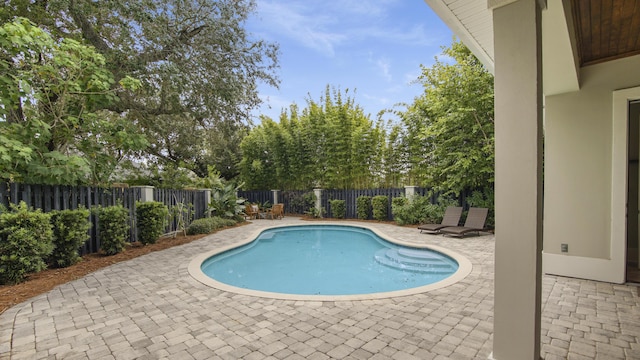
578 186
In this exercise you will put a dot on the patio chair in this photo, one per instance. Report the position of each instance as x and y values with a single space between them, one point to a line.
474 223
451 218
251 211
276 211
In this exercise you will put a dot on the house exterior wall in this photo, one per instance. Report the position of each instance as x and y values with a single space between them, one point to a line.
581 196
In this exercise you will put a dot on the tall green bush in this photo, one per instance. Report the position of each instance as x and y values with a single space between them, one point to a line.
207 225
70 231
338 208
26 239
418 210
113 227
151 219
380 204
363 207
299 203
399 201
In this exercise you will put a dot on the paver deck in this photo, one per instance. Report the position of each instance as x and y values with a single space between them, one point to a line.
151 308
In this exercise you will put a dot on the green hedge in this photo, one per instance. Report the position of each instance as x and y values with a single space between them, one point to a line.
338 208
113 227
70 232
26 239
380 204
363 207
207 225
418 210
151 219
485 199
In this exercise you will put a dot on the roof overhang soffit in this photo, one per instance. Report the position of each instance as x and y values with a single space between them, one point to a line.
559 50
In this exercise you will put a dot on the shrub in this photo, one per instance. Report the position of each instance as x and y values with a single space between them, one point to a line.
26 239
363 207
219 223
401 210
225 203
315 213
70 231
199 226
300 203
416 211
444 201
399 201
207 225
309 200
338 208
379 205
151 219
113 227
484 199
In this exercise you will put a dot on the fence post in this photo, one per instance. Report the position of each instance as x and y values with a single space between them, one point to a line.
146 193
410 192
275 196
318 193
207 198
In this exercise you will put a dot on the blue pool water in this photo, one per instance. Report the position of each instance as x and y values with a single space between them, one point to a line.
327 260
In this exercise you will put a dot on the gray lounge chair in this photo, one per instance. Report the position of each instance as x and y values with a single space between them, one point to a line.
474 223
451 218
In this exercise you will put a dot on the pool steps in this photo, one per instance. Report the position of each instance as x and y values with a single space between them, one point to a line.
415 260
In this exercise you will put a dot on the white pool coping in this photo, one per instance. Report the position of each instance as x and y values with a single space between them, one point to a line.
464 269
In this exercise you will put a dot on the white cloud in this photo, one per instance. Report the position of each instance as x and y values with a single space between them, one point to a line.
275 101
415 35
371 8
298 21
384 65
380 100
373 45
325 25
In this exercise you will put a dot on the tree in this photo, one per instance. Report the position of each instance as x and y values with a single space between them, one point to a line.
331 143
453 123
52 128
198 68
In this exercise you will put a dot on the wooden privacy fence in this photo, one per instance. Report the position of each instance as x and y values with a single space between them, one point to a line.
350 197
184 206
192 203
292 202
257 196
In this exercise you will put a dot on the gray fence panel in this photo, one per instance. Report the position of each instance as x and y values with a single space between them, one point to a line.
292 200
60 197
189 204
350 197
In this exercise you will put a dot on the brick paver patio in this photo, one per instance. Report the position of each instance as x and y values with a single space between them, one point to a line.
150 308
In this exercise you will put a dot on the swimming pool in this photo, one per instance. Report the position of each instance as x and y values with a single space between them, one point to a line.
327 261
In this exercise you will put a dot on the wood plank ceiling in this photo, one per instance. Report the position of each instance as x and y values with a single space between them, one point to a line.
606 29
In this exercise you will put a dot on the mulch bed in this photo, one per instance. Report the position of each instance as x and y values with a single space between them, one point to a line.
46 280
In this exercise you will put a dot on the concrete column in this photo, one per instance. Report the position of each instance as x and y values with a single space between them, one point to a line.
410 192
318 193
275 196
147 193
518 185
207 197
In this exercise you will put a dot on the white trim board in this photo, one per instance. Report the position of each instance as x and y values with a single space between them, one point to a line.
581 267
612 269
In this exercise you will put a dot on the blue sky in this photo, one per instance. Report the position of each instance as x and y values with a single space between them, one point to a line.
374 47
